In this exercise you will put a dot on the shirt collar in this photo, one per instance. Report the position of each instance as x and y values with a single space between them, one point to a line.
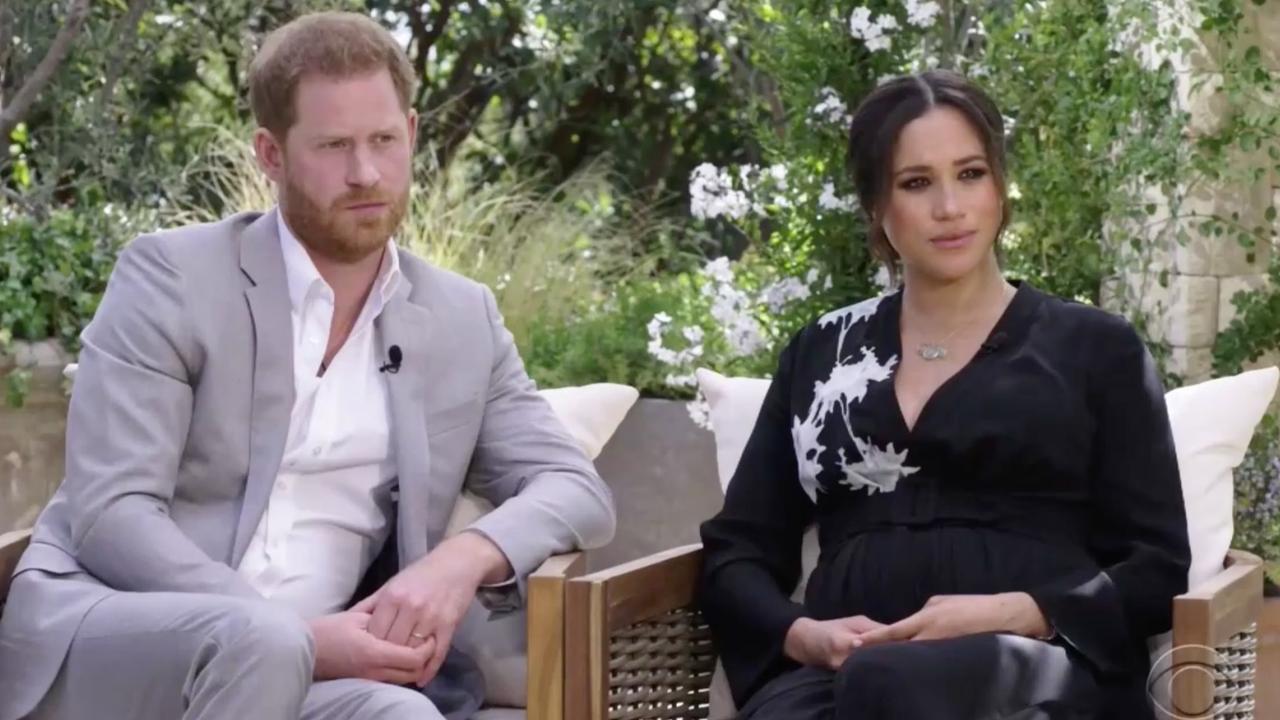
304 279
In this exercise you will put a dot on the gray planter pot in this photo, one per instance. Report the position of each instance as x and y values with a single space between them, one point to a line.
661 468
32 438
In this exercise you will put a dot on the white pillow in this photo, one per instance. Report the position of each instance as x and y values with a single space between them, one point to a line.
591 414
1212 424
734 405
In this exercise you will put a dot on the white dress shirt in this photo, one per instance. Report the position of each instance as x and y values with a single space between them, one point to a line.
329 511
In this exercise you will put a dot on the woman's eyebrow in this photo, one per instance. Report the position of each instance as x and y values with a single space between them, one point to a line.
926 168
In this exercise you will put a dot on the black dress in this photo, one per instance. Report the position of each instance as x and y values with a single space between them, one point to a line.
1045 465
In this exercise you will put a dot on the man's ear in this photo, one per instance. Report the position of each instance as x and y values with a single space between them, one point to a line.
413 130
269 154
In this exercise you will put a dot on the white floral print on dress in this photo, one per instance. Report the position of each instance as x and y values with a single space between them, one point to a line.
879 469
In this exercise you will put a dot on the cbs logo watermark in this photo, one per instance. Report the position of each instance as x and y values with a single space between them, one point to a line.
1185 663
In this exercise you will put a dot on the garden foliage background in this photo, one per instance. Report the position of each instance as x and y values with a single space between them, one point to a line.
649 185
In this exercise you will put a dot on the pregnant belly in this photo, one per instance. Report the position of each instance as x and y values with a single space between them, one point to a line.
888 574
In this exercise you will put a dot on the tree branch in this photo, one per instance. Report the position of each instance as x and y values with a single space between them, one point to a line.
16 110
424 37
455 110
129 23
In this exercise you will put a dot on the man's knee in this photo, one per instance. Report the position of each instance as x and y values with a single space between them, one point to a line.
266 633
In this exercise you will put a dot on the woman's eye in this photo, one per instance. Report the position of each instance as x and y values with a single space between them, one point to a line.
972 173
914 183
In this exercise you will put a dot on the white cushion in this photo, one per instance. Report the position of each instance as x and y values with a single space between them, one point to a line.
1212 422
734 406
591 414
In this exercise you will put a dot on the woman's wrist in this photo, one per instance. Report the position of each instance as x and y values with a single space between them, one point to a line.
1026 617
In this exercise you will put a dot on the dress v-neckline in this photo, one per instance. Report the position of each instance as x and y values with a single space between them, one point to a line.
1001 327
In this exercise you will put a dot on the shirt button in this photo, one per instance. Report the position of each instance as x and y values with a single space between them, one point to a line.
315 452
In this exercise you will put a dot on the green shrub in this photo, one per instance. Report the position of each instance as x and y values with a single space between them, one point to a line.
53 270
1257 498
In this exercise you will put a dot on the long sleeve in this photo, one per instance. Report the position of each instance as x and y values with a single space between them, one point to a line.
548 497
1138 532
126 430
752 548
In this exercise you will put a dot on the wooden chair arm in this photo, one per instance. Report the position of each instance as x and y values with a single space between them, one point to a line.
1214 626
545 635
634 639
12 544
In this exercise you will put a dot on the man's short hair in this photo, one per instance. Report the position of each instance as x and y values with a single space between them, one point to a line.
329 44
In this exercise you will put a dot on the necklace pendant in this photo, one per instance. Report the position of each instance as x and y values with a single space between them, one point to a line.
931 352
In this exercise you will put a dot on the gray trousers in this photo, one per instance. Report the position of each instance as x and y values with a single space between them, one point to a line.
165 656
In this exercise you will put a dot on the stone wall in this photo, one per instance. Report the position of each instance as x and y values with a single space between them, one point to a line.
32 439
1206 272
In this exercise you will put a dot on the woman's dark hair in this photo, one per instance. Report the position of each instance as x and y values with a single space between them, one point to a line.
877 123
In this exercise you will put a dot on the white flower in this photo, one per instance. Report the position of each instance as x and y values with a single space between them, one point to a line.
874 34
711 194
879 470
830 108
779 174
882 279
922 14
700 412
719 270
693 334
745 336
781 293
657 324
860 22
828 200
685 380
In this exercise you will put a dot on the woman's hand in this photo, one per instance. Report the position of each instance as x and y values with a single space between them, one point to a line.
826 643
948 616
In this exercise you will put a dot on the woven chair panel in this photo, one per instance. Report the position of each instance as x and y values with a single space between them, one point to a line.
1234 675
660 669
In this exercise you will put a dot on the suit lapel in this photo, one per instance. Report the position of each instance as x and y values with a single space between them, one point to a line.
408 325
273 383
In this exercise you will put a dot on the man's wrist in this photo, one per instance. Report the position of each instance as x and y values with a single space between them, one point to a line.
483 555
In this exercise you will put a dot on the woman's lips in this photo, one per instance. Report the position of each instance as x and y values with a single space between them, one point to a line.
953 241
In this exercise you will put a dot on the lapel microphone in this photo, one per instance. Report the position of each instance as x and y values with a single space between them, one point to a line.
394 357
996 342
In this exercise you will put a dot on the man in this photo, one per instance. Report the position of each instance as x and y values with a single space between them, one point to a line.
272 407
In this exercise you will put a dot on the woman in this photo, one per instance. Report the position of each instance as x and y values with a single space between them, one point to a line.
990 468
